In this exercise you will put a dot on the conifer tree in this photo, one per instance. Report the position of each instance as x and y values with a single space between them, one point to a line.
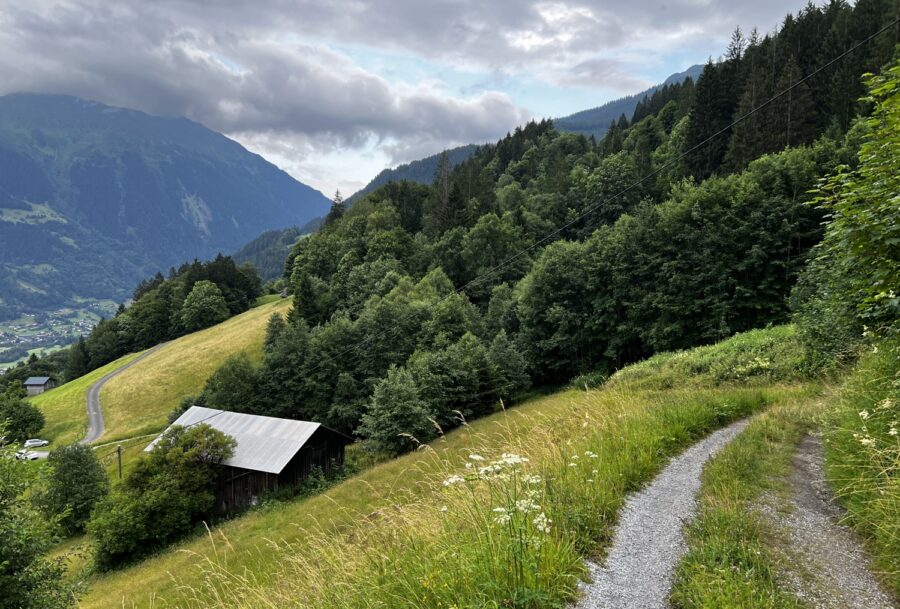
338 207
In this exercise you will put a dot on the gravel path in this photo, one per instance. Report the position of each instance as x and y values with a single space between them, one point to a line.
95 414
835 569
649 541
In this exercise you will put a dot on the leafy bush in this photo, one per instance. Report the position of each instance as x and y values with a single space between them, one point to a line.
853 285
167 493
27 579
77 481
23 420
233 386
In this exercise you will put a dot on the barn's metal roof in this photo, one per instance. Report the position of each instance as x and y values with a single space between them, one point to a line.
264 444
37 380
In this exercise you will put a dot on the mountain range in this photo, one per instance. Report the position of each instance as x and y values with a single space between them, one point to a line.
94 198
594 121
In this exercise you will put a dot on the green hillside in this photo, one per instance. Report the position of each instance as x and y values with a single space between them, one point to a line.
291 550
139 400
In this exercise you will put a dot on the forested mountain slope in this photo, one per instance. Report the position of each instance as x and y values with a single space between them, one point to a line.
94 198
596 121
421 171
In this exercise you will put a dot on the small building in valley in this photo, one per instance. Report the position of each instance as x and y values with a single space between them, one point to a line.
36 385
271 453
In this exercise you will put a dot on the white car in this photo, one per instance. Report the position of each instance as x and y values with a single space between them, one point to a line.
27 455
35 443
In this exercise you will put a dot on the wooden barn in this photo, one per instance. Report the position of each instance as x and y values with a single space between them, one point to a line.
36 385
270 454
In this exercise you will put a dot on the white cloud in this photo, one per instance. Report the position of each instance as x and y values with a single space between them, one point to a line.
267 71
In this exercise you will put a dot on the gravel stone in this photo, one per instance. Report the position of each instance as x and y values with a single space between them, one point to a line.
835 569
649 539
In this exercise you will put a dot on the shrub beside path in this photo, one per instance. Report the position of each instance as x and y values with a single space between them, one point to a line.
649 539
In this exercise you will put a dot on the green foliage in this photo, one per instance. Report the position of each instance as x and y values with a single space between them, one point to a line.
397 420
77 481
204 306
234 386
20 419
863 236
863 454
756 357
28 580
754 71
163 497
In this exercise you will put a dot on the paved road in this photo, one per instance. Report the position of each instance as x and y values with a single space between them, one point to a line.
649 539
95 414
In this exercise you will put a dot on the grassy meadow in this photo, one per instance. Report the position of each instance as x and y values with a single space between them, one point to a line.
139 400
65 408
429 530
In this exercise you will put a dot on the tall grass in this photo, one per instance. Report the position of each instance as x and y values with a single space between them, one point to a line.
731 563
862 450
504 525
758 356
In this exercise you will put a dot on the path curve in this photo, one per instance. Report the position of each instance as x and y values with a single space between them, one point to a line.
95 414
836 568
649 540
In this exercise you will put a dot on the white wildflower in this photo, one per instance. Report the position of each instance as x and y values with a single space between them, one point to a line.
867 441
885 404
527 505
573 465
475 457
542 523
590 455
531 479
502 517
454 480
512 459
444 509
489 470
864 415
892 431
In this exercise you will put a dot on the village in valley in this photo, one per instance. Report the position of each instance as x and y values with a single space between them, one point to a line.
43 333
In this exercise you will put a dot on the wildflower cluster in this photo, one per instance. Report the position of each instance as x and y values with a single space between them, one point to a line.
882 418
521 492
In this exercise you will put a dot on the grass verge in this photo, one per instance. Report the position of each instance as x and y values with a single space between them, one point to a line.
730 562
862 456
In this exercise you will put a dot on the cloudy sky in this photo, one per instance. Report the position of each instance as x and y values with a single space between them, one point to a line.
334 91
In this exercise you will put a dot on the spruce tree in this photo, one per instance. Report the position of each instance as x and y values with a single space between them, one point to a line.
338 208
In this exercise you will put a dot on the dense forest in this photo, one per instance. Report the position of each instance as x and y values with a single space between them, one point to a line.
547 255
